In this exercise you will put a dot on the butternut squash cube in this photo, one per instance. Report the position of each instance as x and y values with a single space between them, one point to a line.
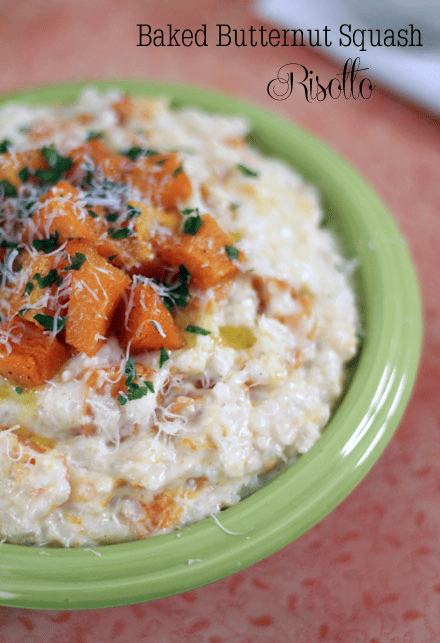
11 164
203 254
60 210
148 325
97 289
31 356
162 179
113 166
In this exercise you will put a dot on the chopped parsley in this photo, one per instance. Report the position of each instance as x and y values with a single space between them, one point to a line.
24 174
48 322
5 145
134 390
8 188
46 245
176 294
178 170
87 181
246 171
94 134
112 216
8 244
92 214
192 223
122 233
19 390
48 280
198 330
58 165
77 261
232 252
28 289
163 357
133 153
133 212
130 369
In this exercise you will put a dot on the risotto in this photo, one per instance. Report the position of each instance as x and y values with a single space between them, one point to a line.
174 321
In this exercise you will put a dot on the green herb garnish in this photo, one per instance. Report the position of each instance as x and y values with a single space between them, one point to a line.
192 223
24 175
133 153
163 357
28 289
130 370
134 390
8 244
176 294
88 178
178 170
232 252
122 233
9 190
77 261
48 280
46 245
112 216
58 165
92 214
94 134
5 145
48 322
198 330
132 212
19 390
246 171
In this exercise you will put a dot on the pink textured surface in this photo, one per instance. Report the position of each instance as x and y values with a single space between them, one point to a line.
370 571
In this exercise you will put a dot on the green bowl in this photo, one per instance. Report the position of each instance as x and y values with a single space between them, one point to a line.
381 378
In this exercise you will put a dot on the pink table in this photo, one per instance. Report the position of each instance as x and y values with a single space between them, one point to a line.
370 571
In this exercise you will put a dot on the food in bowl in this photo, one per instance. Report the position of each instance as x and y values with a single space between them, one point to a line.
174 320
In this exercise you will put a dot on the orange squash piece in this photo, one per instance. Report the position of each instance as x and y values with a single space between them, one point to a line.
113 166
33 299
124 108
203 254
97 289
162 179
60 211
149 325
136 107
11 164
34 356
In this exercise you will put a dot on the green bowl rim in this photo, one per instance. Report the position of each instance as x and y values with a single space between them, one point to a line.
362 425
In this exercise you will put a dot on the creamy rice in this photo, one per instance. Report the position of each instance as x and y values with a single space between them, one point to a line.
79 465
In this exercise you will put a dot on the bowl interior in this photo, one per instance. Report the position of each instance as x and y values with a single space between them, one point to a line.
379 385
